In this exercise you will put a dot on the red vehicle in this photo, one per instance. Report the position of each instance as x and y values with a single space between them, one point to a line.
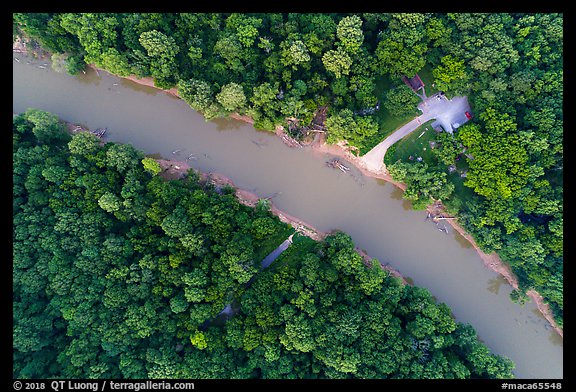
468 115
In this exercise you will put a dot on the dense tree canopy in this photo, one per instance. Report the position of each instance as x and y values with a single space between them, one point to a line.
401 100
274 66
121 273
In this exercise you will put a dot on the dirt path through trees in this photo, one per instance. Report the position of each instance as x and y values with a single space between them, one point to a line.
491 261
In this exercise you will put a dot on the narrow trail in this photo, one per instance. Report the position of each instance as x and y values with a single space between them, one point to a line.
445 111
491 261
229 309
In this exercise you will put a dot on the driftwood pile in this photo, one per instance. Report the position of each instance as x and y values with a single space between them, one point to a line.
99 132
437 219
291 142
336 164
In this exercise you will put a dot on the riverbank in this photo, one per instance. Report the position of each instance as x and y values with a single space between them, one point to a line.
491 261
172 169
335 149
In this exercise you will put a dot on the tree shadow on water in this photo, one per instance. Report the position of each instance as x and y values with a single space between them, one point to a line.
227 124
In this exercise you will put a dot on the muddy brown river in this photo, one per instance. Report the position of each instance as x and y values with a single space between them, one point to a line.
370 210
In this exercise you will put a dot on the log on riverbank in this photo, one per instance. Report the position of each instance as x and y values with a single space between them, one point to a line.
290 142
341 150
336 164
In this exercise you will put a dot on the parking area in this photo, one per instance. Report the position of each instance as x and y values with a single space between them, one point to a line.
449 113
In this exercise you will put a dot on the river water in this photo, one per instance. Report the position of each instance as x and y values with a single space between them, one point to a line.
370 210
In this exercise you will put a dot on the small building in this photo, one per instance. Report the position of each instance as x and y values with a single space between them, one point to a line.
456 122
459 119
415 83
436 126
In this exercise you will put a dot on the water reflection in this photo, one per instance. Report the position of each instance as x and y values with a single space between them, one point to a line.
396 193
538 314
90 77
139 87
553 336
555 339
381 182
228 124
407 205
461 240
494 284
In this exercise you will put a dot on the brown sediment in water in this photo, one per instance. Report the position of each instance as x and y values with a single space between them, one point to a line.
491 261
495 263
176 170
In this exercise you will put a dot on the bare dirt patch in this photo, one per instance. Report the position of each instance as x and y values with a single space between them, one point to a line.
491 261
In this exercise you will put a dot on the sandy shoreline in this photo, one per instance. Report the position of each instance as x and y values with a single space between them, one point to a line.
177 169
491 261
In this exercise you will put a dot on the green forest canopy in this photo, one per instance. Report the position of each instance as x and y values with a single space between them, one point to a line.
117 273
274 66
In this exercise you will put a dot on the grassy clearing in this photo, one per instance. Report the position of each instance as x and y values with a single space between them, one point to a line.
461 191
387 125
415 145
387 122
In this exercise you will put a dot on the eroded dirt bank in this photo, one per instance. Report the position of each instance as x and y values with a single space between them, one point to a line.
176 170
491 261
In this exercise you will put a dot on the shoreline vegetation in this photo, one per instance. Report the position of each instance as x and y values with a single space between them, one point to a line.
491 261
174 169
179 169
122 271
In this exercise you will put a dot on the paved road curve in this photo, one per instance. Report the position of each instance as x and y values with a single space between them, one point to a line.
438 107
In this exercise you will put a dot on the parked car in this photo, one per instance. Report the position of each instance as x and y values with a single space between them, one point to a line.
468 115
